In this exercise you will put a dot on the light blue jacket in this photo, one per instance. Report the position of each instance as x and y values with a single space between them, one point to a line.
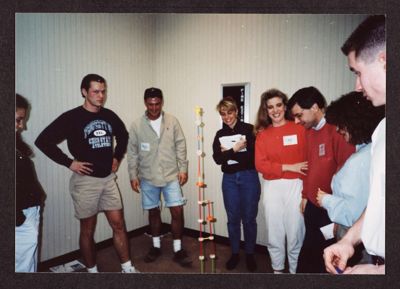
350 187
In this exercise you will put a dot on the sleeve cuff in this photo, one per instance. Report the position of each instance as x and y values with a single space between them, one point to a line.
326 200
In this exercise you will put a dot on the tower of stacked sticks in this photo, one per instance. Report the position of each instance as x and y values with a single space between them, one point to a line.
206 207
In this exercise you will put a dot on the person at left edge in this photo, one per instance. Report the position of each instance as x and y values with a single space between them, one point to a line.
90 130
29 196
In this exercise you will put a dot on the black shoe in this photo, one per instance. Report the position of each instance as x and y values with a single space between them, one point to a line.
152 255
182 258
251 263
232 262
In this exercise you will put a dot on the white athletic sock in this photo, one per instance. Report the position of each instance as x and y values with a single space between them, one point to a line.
157 242
177 245
93 269
127 266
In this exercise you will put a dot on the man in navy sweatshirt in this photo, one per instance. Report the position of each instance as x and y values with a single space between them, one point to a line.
90 130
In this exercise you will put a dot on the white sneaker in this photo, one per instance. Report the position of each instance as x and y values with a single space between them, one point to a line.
131 270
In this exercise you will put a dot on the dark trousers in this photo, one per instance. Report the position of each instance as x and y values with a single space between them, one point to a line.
311 254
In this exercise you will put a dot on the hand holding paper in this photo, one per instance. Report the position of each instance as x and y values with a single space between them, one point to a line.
228 142
240 145
236 142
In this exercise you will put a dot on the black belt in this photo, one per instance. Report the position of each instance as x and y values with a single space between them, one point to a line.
378 260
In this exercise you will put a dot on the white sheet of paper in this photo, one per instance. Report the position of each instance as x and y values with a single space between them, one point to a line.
327 231
229 141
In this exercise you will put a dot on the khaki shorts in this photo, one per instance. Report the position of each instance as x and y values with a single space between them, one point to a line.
92 195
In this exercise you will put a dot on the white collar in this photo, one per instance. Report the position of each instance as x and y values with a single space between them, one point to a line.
320 124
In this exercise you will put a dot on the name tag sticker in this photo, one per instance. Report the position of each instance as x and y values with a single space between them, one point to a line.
321 150
289 140
145 146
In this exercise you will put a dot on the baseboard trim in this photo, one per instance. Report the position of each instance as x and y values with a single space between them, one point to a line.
74 255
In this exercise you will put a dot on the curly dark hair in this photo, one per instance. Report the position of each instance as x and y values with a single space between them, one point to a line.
354 113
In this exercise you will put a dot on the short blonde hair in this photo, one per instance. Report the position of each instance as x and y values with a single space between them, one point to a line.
227 103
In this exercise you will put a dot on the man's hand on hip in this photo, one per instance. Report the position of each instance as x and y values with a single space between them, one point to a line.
81 168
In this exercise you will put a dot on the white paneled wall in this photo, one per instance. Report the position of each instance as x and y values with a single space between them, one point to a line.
188 56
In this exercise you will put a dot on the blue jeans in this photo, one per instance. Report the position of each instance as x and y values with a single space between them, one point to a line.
241 192
172 194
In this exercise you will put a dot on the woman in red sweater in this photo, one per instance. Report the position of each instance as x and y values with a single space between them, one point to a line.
280 156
